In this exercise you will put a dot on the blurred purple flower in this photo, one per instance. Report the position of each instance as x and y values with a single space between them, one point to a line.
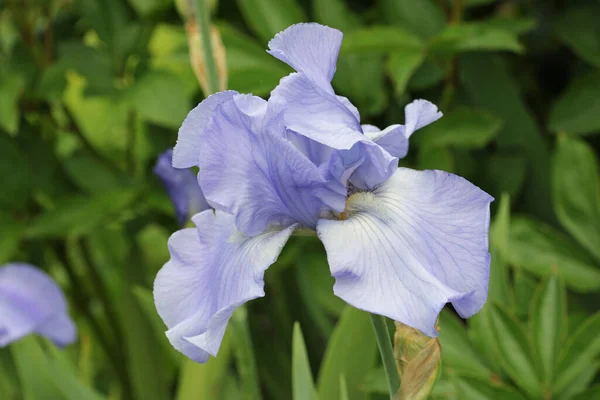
182 187
400 243
31 302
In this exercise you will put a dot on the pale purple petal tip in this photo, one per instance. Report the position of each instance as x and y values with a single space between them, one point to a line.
31 302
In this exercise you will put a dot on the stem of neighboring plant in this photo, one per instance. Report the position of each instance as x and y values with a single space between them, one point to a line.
386 350
203 22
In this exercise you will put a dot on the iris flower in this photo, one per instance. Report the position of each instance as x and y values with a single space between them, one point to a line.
400 243
181 186
31 302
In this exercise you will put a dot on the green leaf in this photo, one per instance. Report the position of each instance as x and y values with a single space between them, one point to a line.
44 376
524 288
424 18
578 354
474 36
539 249
379 39
11 235
11 86
401 66
17 177
506 171
302 380
576 192
243 351
472 389
269 17
335 13
457 353
207 381
159 97
90 174
591 393
436 158
367 94
516 26
343 388
462 128
480 332
514 351
250 68
576 111
474 3
578 28
580 383
80 214
351 352
146 8
548 325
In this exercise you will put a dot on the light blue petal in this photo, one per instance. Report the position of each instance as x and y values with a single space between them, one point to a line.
394 138
251 170
31 302
187 149
213 270
413 244
182 187
311 49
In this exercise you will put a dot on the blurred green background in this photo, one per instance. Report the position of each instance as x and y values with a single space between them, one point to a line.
91 91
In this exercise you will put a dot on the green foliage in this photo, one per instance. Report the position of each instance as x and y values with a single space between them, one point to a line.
91 91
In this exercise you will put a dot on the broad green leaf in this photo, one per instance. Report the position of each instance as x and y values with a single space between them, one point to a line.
146 8
250 68
350 352
457 353
207 381
514 351
159 97
578 28
580 383
401 66
582 347
517 26
17 177
576 111
474 36
472 389
379 39
424 18
243 351
302 380
480 332
152 240
91 174
499 289
11 86
462 128
429 74
506 171
591 393
80 214
576 192
11 235
343 389
269 17
109 136
539 249
335 13
368 95
548 325
171 357
375 382
524 287
46 376
474 3
436 158
489 85
500 228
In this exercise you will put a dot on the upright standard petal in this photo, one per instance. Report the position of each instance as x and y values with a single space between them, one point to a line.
182 187
309 48
413 244
394 138
249 169
213 270
187 149
31 302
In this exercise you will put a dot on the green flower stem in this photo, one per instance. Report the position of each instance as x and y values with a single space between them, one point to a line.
243 351
202 11
387 353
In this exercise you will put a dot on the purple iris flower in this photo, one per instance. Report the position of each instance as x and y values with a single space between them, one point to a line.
31 302
400 243
182 187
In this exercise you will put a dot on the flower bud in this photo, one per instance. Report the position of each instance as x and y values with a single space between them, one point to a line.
418 358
